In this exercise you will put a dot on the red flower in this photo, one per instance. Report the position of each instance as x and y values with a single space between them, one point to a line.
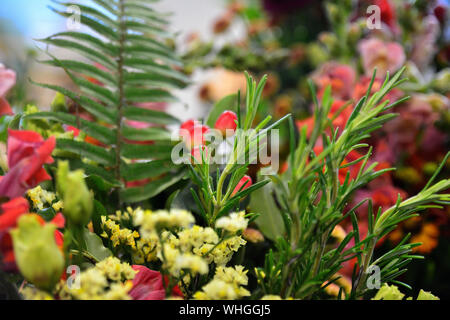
340 121
226 121
11 211
387 12
148 285
27 153
5 108
245 183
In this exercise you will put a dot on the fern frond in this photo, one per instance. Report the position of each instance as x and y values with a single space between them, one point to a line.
125 52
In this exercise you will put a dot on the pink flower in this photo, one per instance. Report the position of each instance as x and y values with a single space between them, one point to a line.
341 77
385 56
7 81
148 285
27 153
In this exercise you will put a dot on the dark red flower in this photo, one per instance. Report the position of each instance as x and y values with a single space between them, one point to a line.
27 153
148 285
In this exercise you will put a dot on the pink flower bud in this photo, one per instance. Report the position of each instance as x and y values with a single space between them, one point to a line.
245 183
226 121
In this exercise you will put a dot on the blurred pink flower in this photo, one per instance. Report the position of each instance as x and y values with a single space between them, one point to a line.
7 81
385 56
341 77
424 47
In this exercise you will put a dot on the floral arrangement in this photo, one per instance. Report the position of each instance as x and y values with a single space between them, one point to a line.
97 203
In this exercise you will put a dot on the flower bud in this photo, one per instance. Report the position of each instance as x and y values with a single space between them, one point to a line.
77 199
245 183
37 255
226 121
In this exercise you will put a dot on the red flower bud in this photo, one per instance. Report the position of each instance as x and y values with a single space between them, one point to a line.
226 121
245 183
193 133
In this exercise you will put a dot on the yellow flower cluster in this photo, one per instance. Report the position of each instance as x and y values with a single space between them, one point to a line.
116 270
220 253
178 263
32 293
108 280
234 223
226 285
150 222
42 199
128 215
142 250
118 236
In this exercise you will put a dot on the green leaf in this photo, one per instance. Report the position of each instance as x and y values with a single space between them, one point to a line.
151 189
227 103
95 247
93 129
270 222
146 134
150 116
145 170
153 151
84 149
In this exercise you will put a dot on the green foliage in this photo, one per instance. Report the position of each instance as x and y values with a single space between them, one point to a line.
311 200
127 55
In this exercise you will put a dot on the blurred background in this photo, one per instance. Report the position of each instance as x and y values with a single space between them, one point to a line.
327 41
22 21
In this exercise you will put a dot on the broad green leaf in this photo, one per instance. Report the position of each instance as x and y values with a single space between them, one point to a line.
95 247
227 103
270 221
